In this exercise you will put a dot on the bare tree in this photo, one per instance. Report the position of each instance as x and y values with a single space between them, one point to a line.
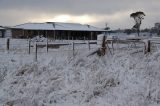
138 17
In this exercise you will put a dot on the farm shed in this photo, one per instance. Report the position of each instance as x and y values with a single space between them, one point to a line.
56 30
2 31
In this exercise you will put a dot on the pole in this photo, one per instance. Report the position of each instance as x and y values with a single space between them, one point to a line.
54 35
73 48
91 36
36 53
47 45
8 42
89 45
112 45
147 47
29 49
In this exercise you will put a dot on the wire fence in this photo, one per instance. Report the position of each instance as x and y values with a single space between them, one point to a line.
19 46
26 46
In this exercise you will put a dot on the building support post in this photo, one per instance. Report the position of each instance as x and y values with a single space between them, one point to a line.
54 34
91 36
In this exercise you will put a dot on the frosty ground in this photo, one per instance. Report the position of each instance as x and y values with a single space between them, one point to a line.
125 78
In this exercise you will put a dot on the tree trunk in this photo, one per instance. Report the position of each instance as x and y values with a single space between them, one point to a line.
102 50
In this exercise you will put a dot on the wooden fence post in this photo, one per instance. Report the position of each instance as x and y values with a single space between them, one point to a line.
103 49
112 44
36 53
89 45
47 45
147 46
29 49
8 43
73 48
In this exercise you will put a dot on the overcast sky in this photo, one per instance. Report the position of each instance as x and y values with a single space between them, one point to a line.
94 12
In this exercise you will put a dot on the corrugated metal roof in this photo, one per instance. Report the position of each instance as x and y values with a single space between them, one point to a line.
35 26
58 26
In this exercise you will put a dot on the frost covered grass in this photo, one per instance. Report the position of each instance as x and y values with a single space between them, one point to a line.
59 79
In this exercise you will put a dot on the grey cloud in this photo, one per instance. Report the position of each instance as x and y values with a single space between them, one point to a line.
16 11
67 6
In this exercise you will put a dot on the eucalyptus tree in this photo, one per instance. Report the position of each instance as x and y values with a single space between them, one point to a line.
138 17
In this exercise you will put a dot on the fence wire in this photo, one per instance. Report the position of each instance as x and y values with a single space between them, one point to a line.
22 47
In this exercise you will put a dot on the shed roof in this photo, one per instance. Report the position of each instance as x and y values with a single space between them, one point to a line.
35 26
57 26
